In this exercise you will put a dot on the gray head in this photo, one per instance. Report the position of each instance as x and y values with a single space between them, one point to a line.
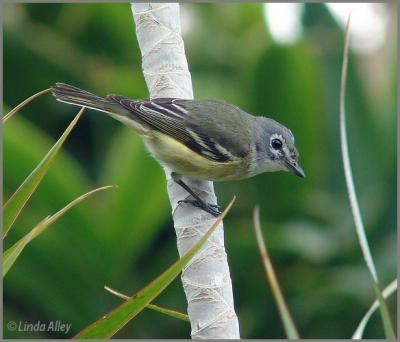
275 147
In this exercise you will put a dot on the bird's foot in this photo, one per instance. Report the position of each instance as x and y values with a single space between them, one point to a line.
208 207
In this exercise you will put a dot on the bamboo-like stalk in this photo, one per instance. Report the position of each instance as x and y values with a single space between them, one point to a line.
206 279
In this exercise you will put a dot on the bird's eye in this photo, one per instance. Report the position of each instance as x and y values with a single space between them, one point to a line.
276 144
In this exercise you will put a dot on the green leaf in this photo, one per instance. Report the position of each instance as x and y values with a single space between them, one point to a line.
20 158
65 181
389 290
11 254
355 209
287 320
168 312
111 323
23 104
17 201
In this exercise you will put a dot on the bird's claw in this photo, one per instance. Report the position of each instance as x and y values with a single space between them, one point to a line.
208 207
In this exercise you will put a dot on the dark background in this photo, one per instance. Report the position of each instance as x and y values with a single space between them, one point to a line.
124 237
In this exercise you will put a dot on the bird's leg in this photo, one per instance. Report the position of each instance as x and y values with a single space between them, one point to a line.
197 201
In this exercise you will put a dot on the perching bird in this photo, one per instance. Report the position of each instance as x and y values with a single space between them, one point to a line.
202 139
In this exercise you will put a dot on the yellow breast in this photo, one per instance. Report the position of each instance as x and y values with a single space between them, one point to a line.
182 160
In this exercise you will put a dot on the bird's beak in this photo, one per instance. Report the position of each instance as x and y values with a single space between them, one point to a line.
295 168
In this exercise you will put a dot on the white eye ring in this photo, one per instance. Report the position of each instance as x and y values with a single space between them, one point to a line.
278 137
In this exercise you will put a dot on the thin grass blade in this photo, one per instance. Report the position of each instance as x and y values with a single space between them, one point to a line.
387 323
387 292
17 201
12 254
23 104
112 322
288 323
165 311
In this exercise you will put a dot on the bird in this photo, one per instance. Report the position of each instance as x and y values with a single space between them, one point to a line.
201 139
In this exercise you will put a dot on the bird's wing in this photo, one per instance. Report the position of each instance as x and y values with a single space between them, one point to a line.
185 123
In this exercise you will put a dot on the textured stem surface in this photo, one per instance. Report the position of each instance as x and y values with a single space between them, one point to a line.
206 279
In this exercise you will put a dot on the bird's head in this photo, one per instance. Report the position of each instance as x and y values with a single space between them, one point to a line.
275 147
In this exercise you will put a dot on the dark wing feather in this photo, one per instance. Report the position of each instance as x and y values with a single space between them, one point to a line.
169 116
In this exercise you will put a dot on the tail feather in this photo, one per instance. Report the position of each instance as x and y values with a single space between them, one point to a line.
79 97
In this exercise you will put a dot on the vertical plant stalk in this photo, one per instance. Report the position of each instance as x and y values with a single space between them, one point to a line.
387 323
287 320
206 279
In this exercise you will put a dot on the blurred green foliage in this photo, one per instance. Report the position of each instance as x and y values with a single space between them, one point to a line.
124 237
